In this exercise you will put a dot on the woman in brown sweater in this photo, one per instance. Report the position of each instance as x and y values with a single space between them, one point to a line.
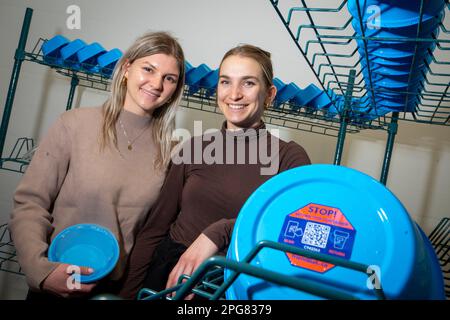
101 165
211 178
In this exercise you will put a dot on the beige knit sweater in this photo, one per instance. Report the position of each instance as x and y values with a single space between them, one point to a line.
70 181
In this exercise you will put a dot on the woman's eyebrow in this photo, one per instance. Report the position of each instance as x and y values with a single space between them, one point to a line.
156 68
243 78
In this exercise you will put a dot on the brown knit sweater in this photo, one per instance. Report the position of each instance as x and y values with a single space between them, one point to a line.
70 181
206 198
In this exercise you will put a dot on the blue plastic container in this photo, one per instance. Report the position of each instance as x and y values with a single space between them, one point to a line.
187 67
287 93
304 97
108 61
389 52
427 28
195 75
51 49
336 211
87 57
69 53
86 245
279 85
396 15
209 82
321 101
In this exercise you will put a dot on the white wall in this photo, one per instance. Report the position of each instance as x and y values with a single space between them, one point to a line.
419 172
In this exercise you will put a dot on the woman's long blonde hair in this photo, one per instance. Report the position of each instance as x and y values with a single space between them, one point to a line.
164 116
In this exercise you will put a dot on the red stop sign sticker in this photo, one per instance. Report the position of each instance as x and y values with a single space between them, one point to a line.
318 228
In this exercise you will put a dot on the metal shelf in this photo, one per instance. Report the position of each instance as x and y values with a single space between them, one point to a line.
331 51
8 261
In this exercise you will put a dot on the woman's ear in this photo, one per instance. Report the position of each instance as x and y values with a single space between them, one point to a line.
271 93
125 68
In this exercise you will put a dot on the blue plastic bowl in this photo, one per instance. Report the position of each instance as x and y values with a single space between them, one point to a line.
87 56
195 75
409 46
108 61
427 28
321 101
86 245
187 67
396 14
209 82
357 219
69 53
304 97
51 49
286 94
390 52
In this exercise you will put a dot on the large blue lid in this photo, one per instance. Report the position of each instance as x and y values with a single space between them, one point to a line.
336 211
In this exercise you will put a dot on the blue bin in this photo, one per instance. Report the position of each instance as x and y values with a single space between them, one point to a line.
108 61
69 53
87 57
51 49
86 245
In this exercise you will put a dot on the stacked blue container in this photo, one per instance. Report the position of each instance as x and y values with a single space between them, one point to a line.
397 66
77 55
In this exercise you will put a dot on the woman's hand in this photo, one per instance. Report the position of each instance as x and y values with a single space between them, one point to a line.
200 250
61 283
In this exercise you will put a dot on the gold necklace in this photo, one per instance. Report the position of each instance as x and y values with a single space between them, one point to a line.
130 143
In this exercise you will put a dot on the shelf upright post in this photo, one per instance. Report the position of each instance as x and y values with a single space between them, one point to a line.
19 57
73 85
392 131
344 118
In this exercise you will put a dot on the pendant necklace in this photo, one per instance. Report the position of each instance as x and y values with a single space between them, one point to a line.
130 143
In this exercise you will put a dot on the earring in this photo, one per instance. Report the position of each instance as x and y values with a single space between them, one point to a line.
124 81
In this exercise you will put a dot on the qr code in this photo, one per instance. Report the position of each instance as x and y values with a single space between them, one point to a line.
316 234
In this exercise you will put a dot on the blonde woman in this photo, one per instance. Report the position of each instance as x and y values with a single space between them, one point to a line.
194 215
102 165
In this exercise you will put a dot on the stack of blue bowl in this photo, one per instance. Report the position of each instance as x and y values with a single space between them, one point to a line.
78 55
398 67
201 77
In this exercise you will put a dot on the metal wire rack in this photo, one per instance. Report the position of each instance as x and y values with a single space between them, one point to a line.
326 38
8 261
440 239
207 281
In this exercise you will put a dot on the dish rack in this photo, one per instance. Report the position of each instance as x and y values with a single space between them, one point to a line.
326 39
440 240
207 281
8 261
